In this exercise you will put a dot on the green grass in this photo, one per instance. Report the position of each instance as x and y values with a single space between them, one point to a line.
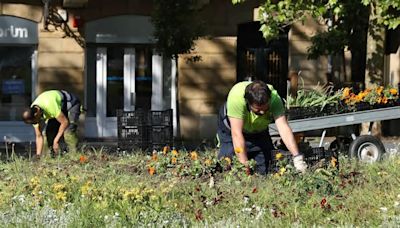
94 188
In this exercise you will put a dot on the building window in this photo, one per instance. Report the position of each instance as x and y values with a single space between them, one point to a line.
15 81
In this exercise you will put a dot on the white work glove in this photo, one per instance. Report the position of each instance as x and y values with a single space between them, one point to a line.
299 163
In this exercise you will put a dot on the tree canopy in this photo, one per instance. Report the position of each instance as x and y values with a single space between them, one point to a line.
176 26
277 14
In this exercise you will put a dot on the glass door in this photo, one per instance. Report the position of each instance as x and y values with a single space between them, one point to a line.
123 77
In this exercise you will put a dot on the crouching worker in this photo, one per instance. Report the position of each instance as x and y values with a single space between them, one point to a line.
243 125
56 111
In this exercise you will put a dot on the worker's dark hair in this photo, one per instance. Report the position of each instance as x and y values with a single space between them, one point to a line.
257 92
29 114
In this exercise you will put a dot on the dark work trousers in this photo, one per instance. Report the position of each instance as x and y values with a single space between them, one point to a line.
71 108
258 145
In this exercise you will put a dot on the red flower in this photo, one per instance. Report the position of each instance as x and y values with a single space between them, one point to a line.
323 202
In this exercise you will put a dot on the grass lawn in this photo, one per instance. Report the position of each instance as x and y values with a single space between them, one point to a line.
182 188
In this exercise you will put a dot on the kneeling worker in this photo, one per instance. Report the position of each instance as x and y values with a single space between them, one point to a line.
243 125
58 111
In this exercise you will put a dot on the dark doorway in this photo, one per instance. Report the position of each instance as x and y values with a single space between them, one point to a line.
257 59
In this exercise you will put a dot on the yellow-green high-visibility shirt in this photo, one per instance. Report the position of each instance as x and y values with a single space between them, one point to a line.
252 123
50 103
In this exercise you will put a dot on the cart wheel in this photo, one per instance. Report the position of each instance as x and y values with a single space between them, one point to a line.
367 148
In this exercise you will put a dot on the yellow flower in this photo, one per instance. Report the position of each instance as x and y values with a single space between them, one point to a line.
34 182
333 162
282 170
208 162
174 152
278 156
57 187
238 150
173 160
62 196
193 155
86 188
383 173
393 91
228 160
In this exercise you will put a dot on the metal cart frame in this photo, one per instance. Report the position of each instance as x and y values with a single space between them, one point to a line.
363 147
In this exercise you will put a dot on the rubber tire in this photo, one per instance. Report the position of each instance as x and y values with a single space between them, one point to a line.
367 148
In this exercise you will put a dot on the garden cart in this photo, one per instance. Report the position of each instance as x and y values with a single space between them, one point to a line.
363 147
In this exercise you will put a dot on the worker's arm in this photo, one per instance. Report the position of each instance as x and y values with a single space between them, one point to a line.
238 139
288 138
39 139
286 134
63 120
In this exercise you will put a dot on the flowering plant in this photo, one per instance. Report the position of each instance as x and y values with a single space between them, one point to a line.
373 96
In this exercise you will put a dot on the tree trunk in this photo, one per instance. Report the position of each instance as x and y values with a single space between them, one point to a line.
374 73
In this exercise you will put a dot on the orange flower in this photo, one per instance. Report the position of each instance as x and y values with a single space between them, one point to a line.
154 157
173 160
379 90
385 100
174 152
238 150
193 155
333 162
346 92
393 91
165 150
83 159
151 170
208 162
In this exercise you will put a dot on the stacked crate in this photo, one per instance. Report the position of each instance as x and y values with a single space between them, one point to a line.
160 130
145 130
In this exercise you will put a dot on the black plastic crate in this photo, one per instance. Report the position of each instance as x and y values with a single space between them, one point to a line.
319 156
159 135
131 118
160 118
133 133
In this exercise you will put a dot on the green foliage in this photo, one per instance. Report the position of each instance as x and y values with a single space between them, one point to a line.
176 26
346 16
90 189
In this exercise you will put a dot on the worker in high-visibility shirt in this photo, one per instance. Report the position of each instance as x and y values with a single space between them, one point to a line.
243 125
56 111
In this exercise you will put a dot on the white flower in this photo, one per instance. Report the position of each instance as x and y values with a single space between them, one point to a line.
246 199
383 209
396 204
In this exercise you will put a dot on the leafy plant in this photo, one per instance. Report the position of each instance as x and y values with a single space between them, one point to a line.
317 96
